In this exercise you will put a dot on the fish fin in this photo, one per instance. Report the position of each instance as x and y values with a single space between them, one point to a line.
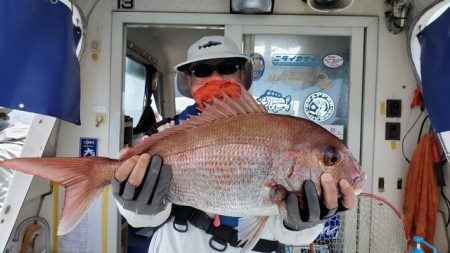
249 231
219 109
77 201
79 176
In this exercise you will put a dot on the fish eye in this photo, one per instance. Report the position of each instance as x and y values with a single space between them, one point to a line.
331 156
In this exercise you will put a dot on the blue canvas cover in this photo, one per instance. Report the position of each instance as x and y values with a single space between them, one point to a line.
435 70
39 68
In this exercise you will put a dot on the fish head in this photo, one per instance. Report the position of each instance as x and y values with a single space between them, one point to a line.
321 152
338 161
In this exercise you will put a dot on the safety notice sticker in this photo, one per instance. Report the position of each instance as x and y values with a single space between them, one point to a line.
88 147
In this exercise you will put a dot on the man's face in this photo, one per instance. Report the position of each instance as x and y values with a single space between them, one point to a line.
200 72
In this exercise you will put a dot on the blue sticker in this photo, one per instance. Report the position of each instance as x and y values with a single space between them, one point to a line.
88 147
274 101
296 60
258 65
331 229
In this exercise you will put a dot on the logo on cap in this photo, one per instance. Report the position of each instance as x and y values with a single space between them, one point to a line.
209 44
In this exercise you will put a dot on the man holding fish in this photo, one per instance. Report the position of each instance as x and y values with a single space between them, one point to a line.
215 69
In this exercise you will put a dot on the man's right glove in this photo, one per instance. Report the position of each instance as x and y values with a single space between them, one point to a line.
313 212
149 197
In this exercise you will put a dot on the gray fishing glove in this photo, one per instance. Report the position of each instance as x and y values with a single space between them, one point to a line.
313 212
149 197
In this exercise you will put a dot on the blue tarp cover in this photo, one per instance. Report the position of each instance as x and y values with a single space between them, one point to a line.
435 70
39 71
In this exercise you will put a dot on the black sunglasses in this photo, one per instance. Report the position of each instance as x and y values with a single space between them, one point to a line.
223 68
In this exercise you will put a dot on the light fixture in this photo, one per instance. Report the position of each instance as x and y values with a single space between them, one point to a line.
396 17
252 6
329 5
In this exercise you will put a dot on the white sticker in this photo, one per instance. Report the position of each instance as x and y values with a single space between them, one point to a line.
333 61
318 107
337 130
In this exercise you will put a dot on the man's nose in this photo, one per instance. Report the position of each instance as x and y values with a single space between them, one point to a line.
215 73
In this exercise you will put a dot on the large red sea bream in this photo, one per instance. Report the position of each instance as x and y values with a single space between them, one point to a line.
233 159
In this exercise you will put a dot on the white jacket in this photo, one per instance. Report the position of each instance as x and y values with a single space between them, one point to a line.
167 240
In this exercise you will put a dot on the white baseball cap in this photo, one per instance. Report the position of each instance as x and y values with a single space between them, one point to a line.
207 48
211 47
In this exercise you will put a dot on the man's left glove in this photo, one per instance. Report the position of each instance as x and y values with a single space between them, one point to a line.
313 212
149 197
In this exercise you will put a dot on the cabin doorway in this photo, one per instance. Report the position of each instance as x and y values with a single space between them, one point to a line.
350 42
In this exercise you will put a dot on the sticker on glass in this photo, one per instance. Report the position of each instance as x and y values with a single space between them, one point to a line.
333 61
274 101
319 106
258 65
296 60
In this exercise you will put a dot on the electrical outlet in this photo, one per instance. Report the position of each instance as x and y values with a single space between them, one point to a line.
392 131
393 108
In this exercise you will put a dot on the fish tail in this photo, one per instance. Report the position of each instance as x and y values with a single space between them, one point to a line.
83 179
288 99
250 229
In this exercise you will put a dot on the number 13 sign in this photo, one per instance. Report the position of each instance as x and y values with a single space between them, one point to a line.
125 4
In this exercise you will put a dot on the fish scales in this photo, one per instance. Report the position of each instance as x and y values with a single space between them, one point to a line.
231 186
223 166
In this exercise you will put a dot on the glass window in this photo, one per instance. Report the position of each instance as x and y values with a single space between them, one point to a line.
134 92
304 76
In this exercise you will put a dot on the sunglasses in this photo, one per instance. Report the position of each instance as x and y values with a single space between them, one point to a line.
223 68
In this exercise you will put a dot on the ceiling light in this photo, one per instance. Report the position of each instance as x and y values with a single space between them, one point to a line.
329 5
252 6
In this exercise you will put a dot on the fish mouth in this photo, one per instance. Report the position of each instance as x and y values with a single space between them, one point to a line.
359 179
357 191
357 183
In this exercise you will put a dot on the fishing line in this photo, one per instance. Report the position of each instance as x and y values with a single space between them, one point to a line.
409 130
447 203
421 129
